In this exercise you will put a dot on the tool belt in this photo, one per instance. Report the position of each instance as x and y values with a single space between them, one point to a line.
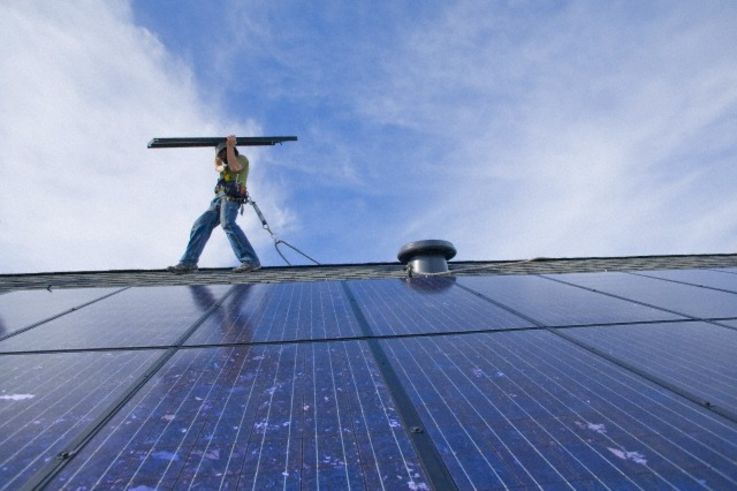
232 190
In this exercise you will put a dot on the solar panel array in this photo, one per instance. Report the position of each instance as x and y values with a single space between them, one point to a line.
587 380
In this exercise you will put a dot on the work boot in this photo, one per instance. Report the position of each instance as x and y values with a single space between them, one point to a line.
247 268
182 268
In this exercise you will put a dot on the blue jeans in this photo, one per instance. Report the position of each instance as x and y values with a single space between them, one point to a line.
221 212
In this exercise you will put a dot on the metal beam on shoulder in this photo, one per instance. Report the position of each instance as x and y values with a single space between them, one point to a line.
241 141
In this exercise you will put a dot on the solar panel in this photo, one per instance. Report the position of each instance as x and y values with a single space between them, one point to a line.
22 308
427 305
557 304
308 406
280 312
529 409
144 316
705 277
46 401
694 301
293 415
696 356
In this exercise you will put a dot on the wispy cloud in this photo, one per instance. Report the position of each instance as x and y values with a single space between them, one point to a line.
580 131
83 89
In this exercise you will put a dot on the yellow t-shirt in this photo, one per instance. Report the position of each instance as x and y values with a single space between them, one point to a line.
233 183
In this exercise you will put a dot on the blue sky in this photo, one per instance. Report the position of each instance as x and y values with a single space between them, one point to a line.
513 129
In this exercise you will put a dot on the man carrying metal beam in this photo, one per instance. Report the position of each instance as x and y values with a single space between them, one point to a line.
230 194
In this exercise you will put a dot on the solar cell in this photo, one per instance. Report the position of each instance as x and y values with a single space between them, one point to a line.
529 409
22 308
295 415
693 301
144 316
427 305
279 312
696 356
557 304
47 400
705 277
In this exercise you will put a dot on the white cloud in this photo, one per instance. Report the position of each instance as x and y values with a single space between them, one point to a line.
584 131
82 91
512 131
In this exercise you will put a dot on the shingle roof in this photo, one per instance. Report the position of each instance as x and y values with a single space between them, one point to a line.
207 276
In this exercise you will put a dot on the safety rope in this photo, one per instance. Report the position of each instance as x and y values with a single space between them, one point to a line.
277 240
408 268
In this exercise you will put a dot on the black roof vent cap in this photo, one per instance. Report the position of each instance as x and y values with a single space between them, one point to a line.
427 256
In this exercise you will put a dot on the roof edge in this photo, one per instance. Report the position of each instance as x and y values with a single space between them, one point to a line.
272 274
392 263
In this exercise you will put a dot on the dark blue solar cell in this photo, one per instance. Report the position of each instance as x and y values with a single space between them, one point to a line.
279 312
556 304
144 316
690 300
529 409
427 305
22 308
705 277
47 400
297 415
694 356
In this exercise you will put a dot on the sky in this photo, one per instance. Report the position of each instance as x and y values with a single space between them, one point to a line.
513 129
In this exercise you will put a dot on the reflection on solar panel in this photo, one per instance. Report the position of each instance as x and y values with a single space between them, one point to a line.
20 309
529 409
280 312
694 356
484 382
690 300
152 316
47 400
712 279
432 305
557 304
309 415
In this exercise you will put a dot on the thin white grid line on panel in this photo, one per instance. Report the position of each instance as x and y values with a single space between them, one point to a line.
463 354
552 368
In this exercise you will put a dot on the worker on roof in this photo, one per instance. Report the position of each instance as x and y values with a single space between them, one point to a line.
230 194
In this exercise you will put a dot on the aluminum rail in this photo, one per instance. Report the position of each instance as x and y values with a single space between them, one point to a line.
241 141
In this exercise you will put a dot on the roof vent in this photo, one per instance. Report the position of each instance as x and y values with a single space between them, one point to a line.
427 256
